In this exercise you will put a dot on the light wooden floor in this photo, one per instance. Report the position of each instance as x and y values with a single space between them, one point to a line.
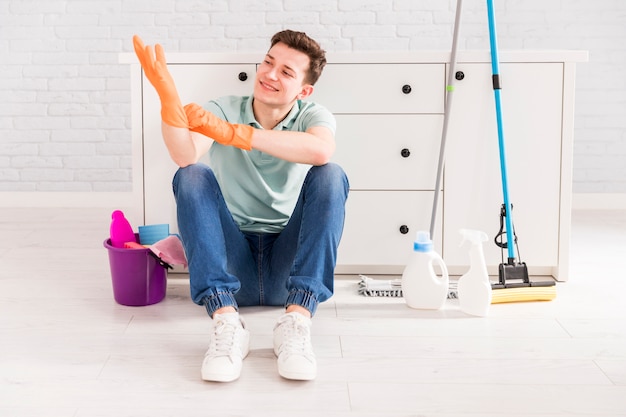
66 348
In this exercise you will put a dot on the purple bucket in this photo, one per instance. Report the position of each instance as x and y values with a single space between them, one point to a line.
138 278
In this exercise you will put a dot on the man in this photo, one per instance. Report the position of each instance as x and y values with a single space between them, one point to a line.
262 224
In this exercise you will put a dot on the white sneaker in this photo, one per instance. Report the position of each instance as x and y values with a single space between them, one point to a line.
228 345
292 346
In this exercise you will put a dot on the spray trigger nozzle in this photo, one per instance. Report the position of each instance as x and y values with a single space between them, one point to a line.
474 237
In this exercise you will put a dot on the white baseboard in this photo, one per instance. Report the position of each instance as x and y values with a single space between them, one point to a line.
131 203
598 201
69 199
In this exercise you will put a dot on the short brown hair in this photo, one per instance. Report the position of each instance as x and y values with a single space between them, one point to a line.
303 43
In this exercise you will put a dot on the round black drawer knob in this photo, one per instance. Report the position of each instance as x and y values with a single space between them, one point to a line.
459 75
405 153
404 229
406 89
243 76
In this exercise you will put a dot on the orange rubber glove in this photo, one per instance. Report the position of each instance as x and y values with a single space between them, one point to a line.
172 112
205 122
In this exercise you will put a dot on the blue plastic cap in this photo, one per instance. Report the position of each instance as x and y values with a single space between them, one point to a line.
422 242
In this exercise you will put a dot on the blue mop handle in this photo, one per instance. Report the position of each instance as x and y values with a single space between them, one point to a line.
496 90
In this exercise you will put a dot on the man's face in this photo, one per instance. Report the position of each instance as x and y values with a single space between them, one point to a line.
280 78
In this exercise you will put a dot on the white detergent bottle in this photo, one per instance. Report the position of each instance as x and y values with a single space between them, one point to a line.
474 287
422 288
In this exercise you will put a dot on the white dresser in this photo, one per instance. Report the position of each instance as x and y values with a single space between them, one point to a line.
390 111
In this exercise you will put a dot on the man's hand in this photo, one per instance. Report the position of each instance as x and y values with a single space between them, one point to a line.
172 112
205 122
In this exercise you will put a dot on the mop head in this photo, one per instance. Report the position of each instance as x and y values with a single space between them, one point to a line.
390 288
393 288
520 294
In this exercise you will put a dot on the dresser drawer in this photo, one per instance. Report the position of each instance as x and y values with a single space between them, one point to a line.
389 152
382 88
372 234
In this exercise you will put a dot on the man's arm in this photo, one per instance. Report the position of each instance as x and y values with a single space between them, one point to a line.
184 146
313 147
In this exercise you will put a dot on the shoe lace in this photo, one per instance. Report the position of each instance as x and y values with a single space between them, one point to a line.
223 340
296 337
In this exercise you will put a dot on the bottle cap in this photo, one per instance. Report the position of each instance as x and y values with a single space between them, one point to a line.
422 242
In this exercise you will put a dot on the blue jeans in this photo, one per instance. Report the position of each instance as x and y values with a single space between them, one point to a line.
228 267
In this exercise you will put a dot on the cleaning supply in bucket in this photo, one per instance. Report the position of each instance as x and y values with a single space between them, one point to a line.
422 288
170 250
151 233
121 230
474 287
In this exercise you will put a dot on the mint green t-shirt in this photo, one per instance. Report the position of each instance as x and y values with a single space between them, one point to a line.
261 191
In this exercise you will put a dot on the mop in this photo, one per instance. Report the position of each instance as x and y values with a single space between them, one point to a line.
513 281
446 116
393 288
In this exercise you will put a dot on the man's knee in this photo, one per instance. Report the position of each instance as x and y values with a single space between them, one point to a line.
330 176
193 177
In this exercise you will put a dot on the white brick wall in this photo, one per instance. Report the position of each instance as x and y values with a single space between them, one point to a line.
65 103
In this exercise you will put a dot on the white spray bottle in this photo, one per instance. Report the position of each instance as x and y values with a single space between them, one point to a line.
474 287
